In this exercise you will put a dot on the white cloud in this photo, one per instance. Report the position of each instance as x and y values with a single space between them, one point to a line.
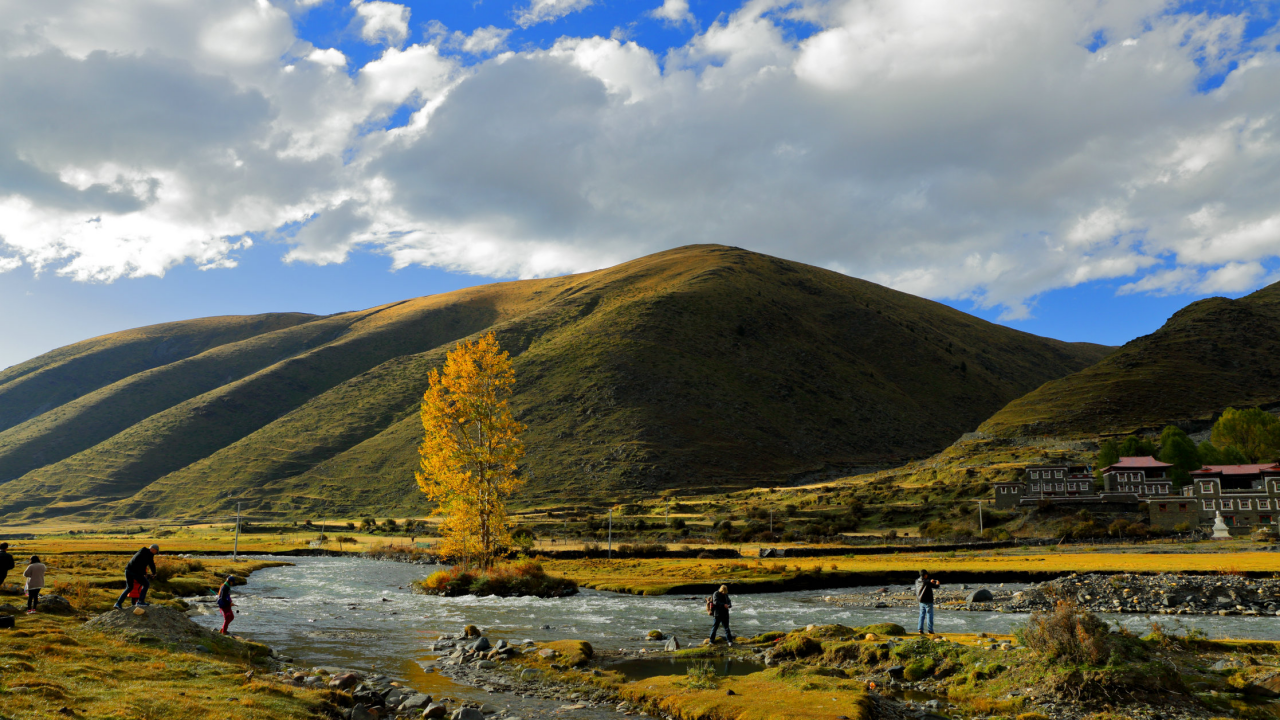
953 150
673 11
382 22
540 11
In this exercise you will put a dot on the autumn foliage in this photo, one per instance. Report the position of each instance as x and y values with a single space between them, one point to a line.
469 451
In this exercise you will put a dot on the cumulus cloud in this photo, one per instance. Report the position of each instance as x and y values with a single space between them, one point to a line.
382 22
539 11
673 11
980 150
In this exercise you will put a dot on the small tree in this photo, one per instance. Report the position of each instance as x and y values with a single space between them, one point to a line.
1137 446
1255 433
1178 450
470 449
1108 454
1209 453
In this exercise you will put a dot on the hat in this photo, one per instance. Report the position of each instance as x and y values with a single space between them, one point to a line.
155 548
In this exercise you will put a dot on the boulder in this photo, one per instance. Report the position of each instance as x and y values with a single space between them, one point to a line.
362 712
981 595
435 711
486 664
479 645
656 635
470 631
672 644
896 671
415 701
54 604
344 681
8 609
467 713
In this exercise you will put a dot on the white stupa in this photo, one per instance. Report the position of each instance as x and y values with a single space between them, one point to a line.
1220 531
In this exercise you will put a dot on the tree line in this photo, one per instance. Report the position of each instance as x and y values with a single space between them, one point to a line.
1239 437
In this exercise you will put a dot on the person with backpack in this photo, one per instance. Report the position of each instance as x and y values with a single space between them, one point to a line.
718 607
35 582
225 604
6 562
924 594
141 565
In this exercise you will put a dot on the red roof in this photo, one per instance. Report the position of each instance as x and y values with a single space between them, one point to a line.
1235 469
1129 463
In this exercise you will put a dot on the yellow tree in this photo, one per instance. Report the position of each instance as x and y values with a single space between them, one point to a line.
470 449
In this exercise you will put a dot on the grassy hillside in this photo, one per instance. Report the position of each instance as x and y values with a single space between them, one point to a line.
1210 355
700 367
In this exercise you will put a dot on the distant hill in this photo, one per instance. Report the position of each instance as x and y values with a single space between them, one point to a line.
1210 355
700 367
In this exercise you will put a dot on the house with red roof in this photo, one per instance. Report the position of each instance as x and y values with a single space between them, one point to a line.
1245 495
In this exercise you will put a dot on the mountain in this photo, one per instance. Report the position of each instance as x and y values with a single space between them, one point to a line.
700 367
1212 354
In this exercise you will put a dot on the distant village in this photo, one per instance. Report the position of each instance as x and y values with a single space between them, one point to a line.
1245 495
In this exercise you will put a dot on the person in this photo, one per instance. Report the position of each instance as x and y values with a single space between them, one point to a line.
6 562
719 606
225 604
924 594
35 581
142 563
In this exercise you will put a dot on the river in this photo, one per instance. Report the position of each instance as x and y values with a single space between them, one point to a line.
360 613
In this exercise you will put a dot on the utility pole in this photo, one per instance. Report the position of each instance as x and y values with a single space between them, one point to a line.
235 549
979 517
610 533
770 522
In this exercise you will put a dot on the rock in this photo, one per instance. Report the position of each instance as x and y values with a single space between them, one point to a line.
470 631
139 611
344 681
486 664
415 701
467 713
501 645
672 644
981 595
1223 665
488 709
896 671
730 692
54 604
871 637
362 712
480 645
548 653
434 711
8 609
656 635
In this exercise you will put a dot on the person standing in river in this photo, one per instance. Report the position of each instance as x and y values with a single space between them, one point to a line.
924 593
6 562
225 604
142 563
719 604
35 582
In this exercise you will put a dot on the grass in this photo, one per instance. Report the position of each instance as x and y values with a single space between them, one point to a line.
49 662
769 695
521 578
606 361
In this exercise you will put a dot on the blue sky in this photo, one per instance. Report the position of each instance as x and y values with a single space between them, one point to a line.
1079 172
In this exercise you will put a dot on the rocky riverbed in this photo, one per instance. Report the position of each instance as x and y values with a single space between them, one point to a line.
1163 594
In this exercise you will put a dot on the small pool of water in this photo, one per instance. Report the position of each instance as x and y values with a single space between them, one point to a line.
645 668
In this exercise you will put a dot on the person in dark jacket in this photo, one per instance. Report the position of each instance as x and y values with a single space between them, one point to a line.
225 604
924 593
6 562
720 604
140 565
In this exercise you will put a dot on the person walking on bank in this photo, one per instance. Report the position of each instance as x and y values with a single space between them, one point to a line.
225 604
142 563
35 581
924 593
718 606
6 562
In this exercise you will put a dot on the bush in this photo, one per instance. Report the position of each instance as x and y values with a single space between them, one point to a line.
1068 635
169 568
512 579
797 645
920 668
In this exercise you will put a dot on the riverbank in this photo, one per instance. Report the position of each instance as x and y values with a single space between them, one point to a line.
54 665
684 576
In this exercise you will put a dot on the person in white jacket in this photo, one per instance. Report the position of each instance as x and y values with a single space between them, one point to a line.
35 581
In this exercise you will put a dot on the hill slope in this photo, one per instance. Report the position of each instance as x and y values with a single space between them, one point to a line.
1210 355
701 366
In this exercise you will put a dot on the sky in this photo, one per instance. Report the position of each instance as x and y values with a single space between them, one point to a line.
1073 168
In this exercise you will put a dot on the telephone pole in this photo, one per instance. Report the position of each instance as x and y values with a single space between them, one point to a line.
979 517
610 533
235 549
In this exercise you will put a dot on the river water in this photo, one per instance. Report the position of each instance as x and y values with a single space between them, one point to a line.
360 614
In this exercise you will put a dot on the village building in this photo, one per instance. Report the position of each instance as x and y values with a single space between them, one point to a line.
1245 495
1047 482
1139 477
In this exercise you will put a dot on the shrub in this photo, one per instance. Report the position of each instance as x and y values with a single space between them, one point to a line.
1068 635
797 645
512 579
169 568
920 668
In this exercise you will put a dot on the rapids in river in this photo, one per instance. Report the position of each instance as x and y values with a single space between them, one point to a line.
361 614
